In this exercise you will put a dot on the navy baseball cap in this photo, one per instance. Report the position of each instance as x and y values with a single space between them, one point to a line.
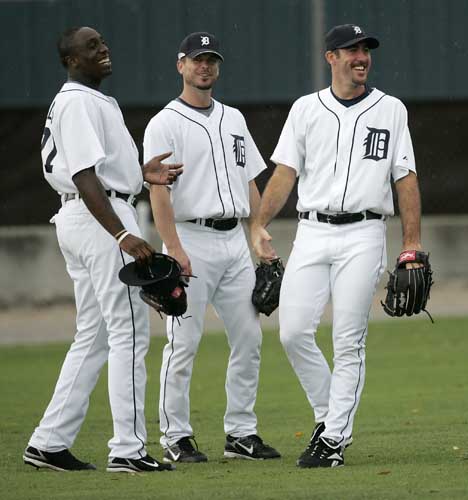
345 35
198 43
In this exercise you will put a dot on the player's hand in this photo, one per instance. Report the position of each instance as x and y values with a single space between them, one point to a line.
139 249
261 245
183 259
156 172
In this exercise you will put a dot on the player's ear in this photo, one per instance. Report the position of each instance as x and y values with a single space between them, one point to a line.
331 56
70 61
180 65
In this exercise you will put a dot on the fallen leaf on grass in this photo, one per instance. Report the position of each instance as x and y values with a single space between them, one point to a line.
298 434
384 472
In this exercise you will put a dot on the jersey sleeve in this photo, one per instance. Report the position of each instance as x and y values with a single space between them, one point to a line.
290 150
403 160
157 139
82 135
255 163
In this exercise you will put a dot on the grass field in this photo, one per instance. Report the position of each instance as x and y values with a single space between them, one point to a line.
410 436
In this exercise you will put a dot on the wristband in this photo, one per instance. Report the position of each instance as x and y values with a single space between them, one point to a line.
122 237
117 235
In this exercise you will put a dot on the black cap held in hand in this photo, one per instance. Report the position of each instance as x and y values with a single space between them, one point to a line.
162 269
347 35
198 43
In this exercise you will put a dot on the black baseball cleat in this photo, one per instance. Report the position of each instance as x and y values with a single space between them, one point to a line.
61 461
318 429
250 447
145 464
324 453
184 451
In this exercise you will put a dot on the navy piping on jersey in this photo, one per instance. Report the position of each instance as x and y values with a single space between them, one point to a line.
133 367
212 153
86 92
362 347
165 380
337 134
225 164
352 147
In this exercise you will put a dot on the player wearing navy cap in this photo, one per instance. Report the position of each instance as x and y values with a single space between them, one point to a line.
200 221
344 143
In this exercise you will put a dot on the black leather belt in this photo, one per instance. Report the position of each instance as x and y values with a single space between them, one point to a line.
344 218
219 224
123 196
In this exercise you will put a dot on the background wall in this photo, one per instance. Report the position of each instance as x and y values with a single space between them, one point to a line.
273 48
274 54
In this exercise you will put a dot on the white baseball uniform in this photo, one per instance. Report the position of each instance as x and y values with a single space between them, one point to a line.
344 157
220 158
84 128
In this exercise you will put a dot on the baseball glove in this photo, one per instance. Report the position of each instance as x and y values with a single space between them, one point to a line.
408 289
268 277
161 281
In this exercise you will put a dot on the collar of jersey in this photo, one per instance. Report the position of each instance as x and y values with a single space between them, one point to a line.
196 108
79 86
329 100
184 106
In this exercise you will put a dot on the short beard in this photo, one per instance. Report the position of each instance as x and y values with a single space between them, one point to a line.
204 87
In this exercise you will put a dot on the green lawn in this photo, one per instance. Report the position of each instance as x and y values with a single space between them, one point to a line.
410 436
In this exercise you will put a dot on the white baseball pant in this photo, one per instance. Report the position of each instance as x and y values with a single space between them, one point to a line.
225 278
343 262
112 325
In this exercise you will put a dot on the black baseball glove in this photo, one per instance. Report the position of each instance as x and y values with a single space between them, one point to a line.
268 277
408 289
161 281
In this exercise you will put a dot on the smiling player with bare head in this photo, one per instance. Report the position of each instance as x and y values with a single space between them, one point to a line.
91 161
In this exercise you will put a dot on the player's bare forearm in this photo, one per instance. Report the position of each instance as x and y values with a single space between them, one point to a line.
254 201
409 203
164 220
276 194
163 215
95 198
273 199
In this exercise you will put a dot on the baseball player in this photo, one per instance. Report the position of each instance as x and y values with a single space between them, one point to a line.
199 220
90 159
344 143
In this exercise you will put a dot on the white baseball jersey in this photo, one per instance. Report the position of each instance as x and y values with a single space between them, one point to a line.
344 156
92 127
219 157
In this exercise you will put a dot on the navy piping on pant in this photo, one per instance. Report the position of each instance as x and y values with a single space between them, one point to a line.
165 379
133 368
360 349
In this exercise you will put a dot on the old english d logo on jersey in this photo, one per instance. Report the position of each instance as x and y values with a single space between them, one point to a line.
239 150
376 144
